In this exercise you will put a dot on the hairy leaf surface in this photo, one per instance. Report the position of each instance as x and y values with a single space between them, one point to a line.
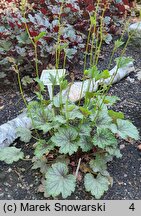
10 154
24 134
97 186
58 181
125 129
84 130
66 140
85 143
104 138
99 164
103 120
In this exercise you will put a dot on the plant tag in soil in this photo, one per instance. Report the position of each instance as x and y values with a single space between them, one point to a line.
48 75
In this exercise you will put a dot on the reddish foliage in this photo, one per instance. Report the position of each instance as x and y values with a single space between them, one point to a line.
44 17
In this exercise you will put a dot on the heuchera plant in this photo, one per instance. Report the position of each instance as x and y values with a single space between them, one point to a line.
73 139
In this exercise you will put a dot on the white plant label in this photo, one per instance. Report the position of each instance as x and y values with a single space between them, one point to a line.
45 76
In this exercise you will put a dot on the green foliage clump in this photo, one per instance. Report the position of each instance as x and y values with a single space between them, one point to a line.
71 131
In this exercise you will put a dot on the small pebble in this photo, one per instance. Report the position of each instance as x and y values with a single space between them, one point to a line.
22 169
122 146
27 156
9 170
139 75
130 80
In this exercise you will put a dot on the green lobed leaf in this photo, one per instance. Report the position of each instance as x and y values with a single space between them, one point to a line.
103 120
45 127
66 140
89 95
114 151
99 164
60 119
104 74
93 73
75 114
70 107
40 164
85 111
104 138
57 181
111 100
43 147
24 134
40 116
115 115
10 154
125 129
85 143
84 130
97 186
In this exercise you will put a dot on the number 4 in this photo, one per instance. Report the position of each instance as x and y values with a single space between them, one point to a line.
132 207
